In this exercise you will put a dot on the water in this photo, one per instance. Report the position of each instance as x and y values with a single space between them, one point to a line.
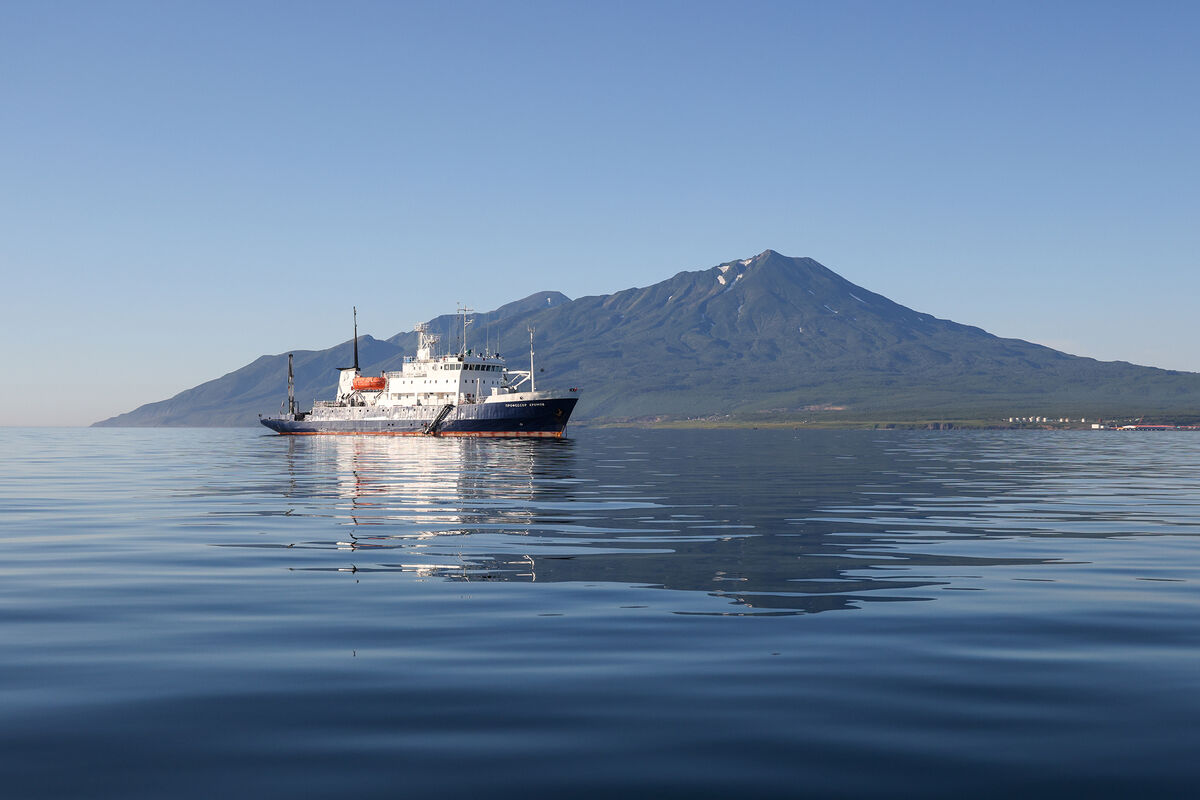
185 613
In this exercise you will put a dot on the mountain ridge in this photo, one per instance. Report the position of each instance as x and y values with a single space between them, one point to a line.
763 335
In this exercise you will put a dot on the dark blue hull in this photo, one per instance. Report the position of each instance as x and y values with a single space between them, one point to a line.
543 418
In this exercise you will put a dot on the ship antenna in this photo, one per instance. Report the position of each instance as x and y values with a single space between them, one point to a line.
355 338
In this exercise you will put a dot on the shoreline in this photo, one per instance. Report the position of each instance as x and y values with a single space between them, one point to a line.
899 425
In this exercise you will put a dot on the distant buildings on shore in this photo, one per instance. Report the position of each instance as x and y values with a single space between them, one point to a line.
1101 425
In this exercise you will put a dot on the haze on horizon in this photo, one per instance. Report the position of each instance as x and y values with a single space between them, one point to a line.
190 187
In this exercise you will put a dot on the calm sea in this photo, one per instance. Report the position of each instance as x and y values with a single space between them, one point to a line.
732 614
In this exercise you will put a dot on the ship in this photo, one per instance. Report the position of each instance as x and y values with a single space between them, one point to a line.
466 393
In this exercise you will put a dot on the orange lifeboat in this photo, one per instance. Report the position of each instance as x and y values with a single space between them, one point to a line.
364 384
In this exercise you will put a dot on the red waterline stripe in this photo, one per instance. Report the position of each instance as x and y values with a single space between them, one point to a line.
472 434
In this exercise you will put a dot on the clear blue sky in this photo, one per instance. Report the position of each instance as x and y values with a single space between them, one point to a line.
186 186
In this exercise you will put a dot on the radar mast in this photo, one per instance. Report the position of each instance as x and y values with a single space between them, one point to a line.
425 341
463 311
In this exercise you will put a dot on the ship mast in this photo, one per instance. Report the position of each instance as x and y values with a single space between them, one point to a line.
463 312
291 388
355 338
532 380
425 341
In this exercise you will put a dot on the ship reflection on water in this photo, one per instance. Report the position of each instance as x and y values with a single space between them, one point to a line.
205 612
756 524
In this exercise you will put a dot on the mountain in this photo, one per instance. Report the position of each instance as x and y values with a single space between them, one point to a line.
762 337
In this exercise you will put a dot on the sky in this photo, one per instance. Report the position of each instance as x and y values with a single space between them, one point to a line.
187 186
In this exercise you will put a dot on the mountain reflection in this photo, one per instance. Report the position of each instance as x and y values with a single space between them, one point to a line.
776 523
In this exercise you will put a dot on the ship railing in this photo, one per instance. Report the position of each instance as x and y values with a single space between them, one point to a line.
519 396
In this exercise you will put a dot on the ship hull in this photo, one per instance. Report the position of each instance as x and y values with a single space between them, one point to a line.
528 418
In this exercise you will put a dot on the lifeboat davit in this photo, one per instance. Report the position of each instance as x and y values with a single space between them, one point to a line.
364 384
